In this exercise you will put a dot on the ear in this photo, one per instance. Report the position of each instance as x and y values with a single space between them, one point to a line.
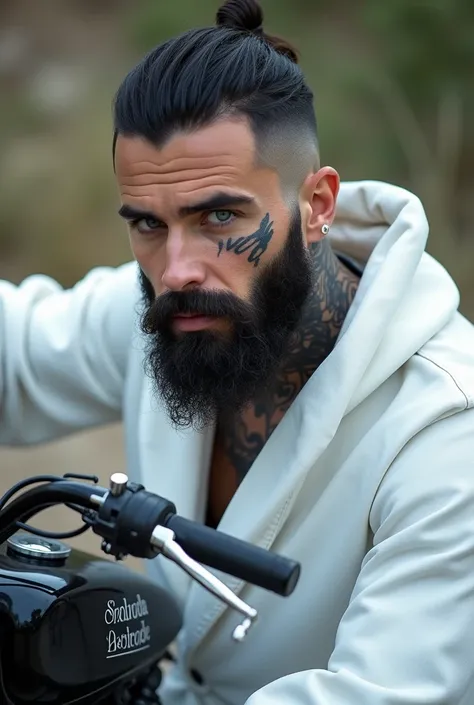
318 197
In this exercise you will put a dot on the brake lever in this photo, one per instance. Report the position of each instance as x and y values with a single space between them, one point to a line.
162 539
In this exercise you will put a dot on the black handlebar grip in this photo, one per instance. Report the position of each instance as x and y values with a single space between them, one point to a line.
235 557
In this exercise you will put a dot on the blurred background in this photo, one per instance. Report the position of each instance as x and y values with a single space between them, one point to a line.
394 96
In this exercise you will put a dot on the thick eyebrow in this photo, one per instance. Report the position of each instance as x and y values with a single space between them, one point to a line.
132 213
217 201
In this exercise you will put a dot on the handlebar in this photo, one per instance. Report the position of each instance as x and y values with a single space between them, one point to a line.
230 555
133 521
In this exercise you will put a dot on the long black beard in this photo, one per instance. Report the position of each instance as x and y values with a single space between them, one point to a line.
200 375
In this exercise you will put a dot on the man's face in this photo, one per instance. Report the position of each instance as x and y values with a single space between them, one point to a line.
224 268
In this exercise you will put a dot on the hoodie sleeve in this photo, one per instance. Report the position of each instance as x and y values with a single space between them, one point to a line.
407 636
63 353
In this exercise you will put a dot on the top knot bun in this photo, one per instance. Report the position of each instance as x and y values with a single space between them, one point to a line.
241 14
247 15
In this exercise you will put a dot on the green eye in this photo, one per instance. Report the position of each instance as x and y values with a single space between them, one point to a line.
221 217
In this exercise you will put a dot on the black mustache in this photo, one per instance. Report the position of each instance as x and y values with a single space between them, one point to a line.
195 302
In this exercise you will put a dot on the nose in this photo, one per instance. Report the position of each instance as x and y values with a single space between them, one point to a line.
182 269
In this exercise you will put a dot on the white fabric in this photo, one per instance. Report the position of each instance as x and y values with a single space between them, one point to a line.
368 480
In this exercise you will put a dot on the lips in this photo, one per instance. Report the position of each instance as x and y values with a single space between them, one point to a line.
192 321
188 315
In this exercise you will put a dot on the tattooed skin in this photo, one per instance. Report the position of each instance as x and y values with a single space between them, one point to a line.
243 438
257 243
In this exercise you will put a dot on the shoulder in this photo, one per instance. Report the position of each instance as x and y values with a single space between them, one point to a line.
434 468
432 477
451 353
99 313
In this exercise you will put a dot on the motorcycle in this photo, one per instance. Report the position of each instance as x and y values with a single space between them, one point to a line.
77 629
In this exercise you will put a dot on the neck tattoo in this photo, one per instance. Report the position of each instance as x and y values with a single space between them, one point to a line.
243 438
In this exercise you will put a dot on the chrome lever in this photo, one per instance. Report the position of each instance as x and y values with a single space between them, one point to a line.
162 539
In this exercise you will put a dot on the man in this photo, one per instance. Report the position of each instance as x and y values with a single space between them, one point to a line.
290 366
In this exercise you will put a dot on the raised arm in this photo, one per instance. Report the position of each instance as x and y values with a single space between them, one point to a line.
63 353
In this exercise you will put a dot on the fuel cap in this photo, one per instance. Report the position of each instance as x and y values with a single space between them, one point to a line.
38 549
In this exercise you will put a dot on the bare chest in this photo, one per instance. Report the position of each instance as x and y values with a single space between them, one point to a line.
233 455
223 484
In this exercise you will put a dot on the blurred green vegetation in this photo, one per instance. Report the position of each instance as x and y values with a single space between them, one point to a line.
393 96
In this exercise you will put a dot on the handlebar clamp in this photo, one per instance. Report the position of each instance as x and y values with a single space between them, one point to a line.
126 520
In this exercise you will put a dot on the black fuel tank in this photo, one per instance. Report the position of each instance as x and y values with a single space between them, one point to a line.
78 625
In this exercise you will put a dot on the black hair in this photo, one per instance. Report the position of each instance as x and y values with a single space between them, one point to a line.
228 70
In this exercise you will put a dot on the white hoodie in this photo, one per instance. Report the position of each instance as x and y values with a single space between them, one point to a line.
368 480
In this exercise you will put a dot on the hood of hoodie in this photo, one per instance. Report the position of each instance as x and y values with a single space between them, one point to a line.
405 296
